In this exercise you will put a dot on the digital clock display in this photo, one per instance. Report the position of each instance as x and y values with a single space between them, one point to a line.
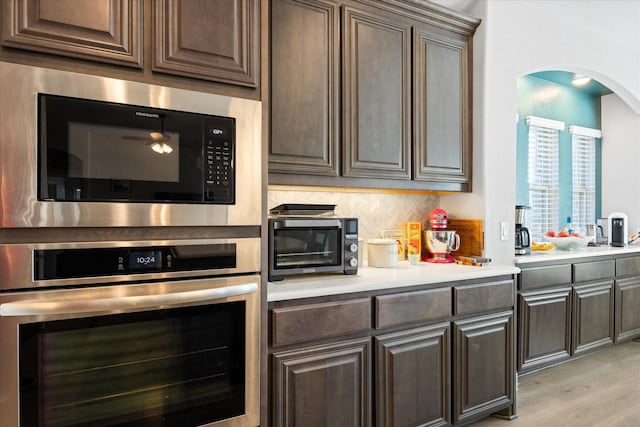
145 260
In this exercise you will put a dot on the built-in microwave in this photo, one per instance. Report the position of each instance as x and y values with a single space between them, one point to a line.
100 151
80 150
305 245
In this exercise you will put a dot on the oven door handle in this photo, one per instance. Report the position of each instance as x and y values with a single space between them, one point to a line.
130 303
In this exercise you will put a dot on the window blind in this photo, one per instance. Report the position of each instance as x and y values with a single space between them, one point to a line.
584 180
543 181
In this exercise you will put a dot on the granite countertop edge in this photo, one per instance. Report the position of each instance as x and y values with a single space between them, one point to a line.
371 279
589 251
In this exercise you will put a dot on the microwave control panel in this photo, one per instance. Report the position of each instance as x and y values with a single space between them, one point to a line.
220 162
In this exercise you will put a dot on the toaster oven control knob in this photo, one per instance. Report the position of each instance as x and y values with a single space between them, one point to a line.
352 247
353 262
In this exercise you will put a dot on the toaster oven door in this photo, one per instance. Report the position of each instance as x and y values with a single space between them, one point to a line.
303 246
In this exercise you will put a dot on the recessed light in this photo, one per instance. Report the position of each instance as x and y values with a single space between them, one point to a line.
580 80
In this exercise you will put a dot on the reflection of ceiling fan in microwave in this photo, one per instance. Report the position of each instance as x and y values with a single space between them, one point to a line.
157 141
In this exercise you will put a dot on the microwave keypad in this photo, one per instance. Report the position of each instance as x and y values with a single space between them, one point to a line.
218 163
219 169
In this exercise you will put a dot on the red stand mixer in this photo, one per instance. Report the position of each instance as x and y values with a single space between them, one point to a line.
439 241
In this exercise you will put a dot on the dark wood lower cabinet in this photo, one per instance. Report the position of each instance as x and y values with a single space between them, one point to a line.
483 367
574 306
592 316
325 385
627 308
394 359
413 377
544 328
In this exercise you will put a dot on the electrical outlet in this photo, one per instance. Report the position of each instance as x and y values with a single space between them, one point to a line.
504 230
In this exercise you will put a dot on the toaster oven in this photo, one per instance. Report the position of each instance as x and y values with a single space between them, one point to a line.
312 245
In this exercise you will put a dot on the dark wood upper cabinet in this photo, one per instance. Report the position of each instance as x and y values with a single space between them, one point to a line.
215 40
305 87
370 93
376 96
99 30
442 108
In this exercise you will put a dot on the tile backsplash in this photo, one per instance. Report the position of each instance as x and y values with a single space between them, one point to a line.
375 211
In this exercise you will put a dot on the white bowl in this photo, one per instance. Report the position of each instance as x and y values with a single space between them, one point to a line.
570 243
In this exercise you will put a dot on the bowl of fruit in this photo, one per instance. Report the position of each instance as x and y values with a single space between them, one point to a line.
566 241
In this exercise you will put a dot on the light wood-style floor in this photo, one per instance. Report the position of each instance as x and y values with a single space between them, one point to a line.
601 389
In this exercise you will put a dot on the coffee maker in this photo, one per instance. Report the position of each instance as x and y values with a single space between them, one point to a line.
522 237
618 227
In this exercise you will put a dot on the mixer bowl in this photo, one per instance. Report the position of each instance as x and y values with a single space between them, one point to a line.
441 242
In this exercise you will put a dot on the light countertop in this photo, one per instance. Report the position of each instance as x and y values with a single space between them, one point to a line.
372 278
589 251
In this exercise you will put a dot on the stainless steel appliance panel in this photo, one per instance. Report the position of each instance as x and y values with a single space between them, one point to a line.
20 207
16 262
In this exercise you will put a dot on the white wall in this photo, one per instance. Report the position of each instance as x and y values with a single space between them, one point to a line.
597 38
620 160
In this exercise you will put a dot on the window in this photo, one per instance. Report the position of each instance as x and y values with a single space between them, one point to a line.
583 165
544 186
543 179
583 154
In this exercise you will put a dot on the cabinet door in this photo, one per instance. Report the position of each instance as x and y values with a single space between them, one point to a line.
99 30
412 377
326 385
305 82
212 40
442 109
592 316
627 308
483 367
376 96
544 328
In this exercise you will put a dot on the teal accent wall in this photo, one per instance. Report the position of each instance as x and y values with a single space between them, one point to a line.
541 98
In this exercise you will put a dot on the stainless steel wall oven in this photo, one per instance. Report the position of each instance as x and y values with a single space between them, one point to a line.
142 333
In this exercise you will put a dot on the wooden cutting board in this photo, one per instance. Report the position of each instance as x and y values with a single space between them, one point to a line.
471 236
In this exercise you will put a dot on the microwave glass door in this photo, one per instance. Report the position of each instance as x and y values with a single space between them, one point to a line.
176 367
307 247
98 151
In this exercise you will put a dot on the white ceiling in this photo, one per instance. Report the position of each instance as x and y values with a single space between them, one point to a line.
458 5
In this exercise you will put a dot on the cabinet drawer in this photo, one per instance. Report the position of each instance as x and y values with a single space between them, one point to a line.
628 266
542 277
292 325
588 271
410 307
483 297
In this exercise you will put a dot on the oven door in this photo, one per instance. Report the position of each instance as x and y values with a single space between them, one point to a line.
305 245
180 353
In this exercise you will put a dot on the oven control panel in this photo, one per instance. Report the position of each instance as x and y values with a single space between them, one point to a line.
50 264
